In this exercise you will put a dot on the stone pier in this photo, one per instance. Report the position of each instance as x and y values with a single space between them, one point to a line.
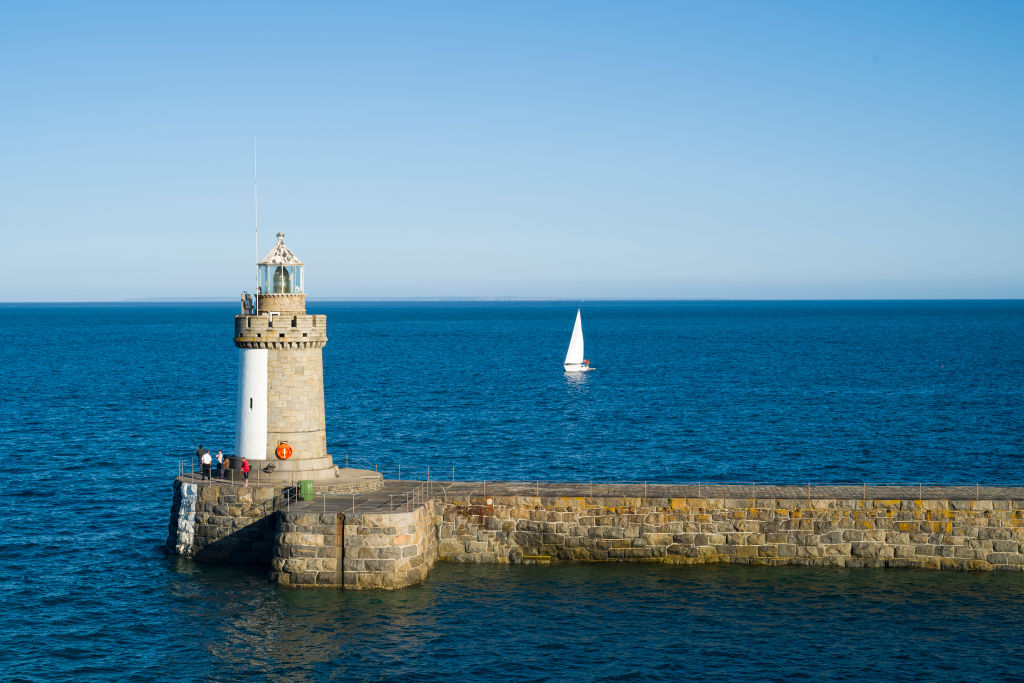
391 536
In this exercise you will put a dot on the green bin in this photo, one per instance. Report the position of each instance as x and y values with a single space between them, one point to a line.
306 489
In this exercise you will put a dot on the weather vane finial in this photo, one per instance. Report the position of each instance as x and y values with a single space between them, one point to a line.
280 237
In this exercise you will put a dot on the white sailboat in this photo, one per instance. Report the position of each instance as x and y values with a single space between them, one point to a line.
574 361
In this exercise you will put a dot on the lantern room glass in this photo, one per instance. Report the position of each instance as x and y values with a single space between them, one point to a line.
280 279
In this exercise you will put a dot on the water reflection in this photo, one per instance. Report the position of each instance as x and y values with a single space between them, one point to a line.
598 620
576 379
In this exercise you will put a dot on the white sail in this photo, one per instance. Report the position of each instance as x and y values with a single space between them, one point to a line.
574 356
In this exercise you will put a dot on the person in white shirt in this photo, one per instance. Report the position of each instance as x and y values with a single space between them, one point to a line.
207 461
220 464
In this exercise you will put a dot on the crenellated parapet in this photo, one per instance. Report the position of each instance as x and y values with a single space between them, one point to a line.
283 331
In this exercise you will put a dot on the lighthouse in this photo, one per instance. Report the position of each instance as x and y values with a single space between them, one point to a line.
280 417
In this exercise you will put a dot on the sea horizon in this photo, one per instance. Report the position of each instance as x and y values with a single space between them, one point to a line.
500 299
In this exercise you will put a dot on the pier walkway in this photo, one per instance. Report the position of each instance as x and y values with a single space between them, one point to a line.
395 492
396 495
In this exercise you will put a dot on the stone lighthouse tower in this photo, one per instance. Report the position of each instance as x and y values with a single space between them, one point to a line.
281 375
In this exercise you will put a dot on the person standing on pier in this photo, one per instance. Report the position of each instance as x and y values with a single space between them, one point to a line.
207 461
220 464
245 469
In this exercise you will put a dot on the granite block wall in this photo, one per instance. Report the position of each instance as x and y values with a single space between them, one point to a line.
390 550
386 550
295 402
934 534
307 549
216 522
221 523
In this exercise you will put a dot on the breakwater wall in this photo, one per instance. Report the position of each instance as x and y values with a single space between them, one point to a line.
221 522
367 540
933 534
369 550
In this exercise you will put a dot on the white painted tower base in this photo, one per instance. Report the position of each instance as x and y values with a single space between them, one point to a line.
251 435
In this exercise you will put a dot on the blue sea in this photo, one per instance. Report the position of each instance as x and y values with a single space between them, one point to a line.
102 404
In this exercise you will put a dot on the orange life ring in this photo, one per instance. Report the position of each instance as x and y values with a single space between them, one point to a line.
284 451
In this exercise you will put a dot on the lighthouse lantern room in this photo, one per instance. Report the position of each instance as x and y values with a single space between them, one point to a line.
280 272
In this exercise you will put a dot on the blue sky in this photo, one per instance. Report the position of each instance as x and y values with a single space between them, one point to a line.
576 150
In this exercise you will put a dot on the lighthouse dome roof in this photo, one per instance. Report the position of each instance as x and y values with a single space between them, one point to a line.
280 255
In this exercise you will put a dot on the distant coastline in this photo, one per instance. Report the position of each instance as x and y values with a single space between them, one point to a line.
498 299
379 299
357 298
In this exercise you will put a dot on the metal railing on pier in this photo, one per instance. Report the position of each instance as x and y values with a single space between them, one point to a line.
228 475
430 475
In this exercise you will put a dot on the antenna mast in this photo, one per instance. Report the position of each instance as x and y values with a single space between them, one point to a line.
256 201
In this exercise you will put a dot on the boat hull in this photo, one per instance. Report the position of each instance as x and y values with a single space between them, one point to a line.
577 367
